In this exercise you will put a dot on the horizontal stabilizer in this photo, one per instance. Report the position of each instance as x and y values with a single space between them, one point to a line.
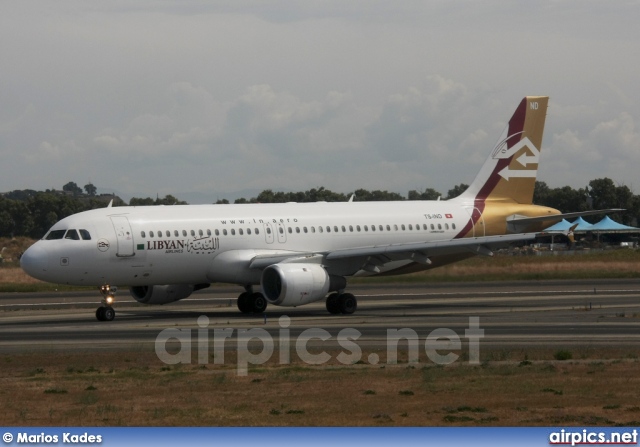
516 224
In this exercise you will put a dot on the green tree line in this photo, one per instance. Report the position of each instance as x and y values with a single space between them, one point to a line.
31 213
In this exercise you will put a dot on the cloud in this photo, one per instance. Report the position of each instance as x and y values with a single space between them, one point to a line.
166 96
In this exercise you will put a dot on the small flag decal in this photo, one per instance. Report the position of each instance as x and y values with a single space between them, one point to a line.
449 216
140 246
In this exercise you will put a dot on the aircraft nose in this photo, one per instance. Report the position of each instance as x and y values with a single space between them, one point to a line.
35 261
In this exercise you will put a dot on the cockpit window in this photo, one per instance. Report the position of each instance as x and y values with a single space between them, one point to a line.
72 234
55 234
85 235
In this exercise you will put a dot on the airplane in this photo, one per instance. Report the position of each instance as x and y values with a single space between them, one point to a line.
294 254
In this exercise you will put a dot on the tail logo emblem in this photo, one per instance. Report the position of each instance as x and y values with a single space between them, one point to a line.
502 152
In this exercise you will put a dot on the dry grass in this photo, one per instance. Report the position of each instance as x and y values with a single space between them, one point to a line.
136 389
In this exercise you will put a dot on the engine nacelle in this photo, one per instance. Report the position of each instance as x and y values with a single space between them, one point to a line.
162 294
297 284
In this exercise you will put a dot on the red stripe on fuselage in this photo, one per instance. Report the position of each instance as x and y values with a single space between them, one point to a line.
516 126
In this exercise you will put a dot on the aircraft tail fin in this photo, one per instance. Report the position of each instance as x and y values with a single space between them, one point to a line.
509 173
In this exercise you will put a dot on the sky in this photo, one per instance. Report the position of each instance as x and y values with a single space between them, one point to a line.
156 97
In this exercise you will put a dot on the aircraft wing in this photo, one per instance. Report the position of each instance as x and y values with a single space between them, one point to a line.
381 254
422 250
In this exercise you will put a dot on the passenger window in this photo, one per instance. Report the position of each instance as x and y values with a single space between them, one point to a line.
73 235
395 227
439 227
257 231
403 227
424 227
297 229
351 228
432 227
240 232
453 226
446 226
268 230
328 229
224 232
335 228
410 227
249 230
313 229
217 232
305 229
290 230
143 234
193 233
320 229
200 233
184 233
150 233
233 232
168 233
373 228
208 232
175 233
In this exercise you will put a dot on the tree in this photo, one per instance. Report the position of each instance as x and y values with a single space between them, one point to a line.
72 188
138 201
603 192
90 189
541 193
427 194
457 190
362 195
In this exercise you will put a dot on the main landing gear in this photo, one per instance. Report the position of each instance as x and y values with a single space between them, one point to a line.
252 302
106 312
341 303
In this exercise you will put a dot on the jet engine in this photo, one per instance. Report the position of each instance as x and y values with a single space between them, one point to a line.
164 294
297 284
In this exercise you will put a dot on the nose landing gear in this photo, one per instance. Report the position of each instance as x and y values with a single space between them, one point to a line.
106 312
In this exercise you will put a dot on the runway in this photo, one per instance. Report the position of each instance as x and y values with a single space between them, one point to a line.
532 313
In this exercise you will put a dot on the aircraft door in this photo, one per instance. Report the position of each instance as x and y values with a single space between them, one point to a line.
268 233
124 236
478 221
282 233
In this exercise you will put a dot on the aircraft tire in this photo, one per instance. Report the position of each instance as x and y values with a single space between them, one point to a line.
100 313
244 303
258 303
109 313
333 304
348 303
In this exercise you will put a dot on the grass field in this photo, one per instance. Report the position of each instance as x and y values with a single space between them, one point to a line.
135 389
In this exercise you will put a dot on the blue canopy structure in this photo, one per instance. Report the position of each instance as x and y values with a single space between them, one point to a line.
583 225
608 225
561 226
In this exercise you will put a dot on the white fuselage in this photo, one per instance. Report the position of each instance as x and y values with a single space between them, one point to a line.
211 243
